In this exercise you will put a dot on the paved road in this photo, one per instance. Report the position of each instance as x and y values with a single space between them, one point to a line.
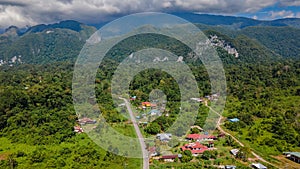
235 139
139 134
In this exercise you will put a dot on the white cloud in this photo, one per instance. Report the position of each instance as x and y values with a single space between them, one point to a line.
31 12
282 14
290 2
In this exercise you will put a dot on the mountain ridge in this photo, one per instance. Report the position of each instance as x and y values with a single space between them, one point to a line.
63 40
237 22
207 19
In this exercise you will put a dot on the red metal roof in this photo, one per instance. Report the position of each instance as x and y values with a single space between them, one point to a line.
200 136
195 148
169 156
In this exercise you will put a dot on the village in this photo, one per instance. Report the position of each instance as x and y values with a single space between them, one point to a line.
197 145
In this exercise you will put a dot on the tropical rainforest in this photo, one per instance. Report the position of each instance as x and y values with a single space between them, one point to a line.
36 106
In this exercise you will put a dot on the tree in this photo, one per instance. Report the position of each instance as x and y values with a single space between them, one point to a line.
153 128
244 153
187 156
12 161
206 155
195 130
229 141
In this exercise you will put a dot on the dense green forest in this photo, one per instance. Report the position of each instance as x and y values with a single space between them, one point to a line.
37 116
37 119
36 107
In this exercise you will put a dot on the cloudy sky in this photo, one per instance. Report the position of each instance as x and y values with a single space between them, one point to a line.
31 12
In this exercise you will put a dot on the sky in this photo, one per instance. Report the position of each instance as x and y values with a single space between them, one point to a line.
32 12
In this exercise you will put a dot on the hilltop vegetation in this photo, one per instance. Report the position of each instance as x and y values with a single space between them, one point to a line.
44 43
63 41
37 114
236 23
282 40
37 119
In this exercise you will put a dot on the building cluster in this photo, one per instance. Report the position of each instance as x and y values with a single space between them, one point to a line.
194 145
83 121
196 148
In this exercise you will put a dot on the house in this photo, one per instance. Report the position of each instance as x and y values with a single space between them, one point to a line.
152 151
201 137
85 120
143 123
197 99
234 151
234 120
230 167
294 156
215 96
78 129
154 112
146 104
170 158
153 105
133 98
196 148
258 166
164 137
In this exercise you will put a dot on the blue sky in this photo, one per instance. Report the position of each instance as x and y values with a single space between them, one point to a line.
31 12
276 11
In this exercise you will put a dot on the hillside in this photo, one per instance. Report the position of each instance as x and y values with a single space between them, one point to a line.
37 116
44 43
285 41
282 41
254 40
236 22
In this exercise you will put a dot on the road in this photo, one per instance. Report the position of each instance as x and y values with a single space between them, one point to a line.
235 139
139 135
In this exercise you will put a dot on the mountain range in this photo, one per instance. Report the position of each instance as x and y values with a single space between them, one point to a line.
253 39
236 22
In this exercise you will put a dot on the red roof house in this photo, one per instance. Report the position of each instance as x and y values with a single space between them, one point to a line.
196 148
169 158
78 129
147 104
200 137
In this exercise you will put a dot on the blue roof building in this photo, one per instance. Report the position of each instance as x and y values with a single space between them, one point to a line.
234 120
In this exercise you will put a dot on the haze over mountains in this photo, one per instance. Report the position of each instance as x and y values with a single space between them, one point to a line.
254 39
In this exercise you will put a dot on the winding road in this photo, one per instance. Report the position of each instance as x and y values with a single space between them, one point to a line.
139 135
143 145
235 139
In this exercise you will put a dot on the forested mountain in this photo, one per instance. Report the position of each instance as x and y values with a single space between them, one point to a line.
284 41
63 41
44 43
236 22
261 61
